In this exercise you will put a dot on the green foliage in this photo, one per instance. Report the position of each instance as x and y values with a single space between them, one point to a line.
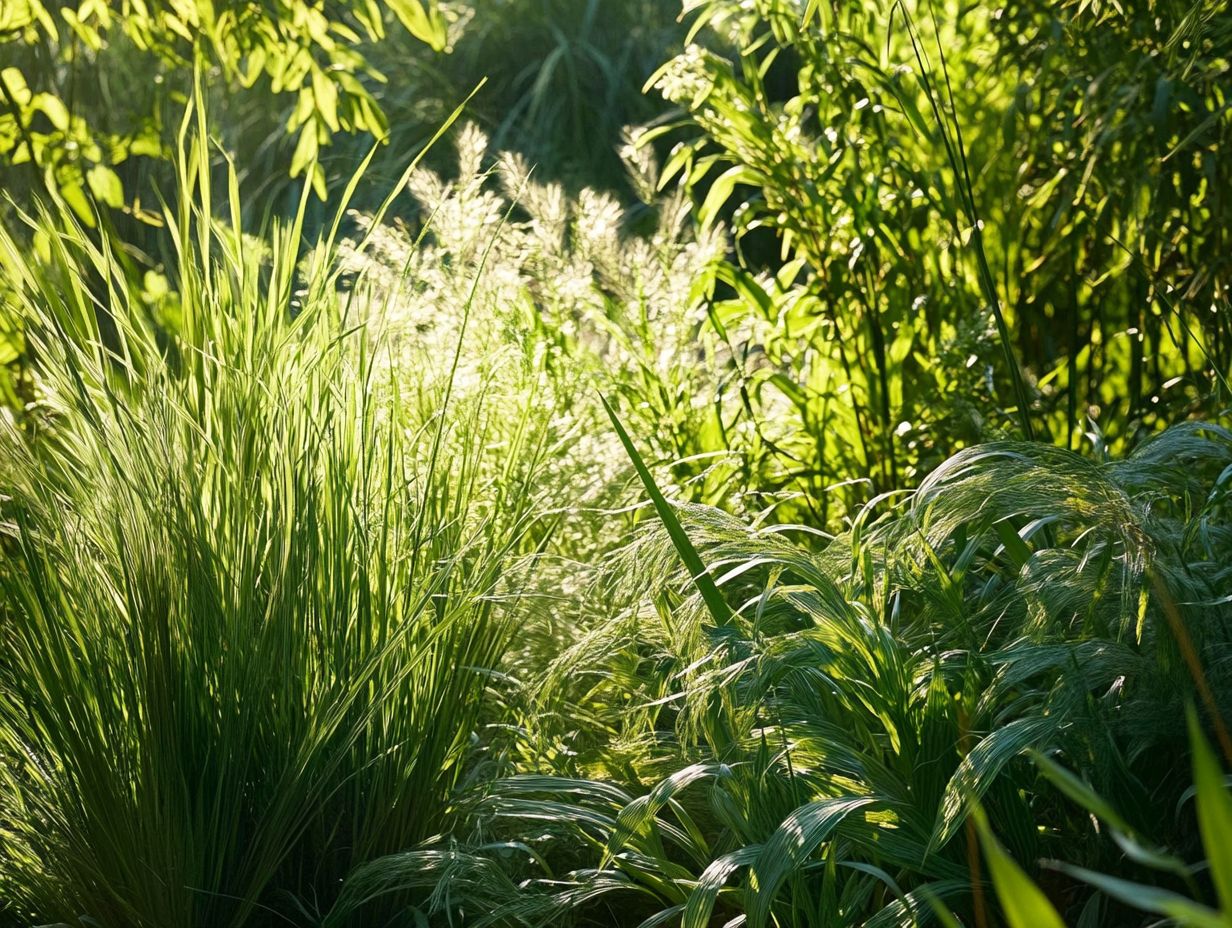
564 78
827 741
255 580
715 603
330 592
73 114
907 173
1119 114
445 378
606 291
1025 904
90 92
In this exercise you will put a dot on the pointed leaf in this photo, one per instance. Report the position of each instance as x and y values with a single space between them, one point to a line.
705 584
1024 903
1148 898
1214 813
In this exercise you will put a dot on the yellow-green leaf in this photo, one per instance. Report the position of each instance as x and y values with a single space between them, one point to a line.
305 150
53 108
423 22
75 197
105 185
326 96
1214 813
1024 903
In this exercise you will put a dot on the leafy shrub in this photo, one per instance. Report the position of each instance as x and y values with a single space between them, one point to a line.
65 76
914 175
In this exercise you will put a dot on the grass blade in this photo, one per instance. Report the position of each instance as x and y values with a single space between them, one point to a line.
705 584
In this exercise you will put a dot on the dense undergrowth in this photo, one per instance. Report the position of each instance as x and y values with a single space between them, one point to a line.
830 527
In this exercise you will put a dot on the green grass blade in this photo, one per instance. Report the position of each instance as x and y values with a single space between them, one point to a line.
1024 903
1214 813
705 584
1148 898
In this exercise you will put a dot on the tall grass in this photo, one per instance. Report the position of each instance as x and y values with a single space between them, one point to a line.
256 577
954 224
305 503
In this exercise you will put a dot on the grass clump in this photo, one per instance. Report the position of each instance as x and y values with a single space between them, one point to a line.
255 579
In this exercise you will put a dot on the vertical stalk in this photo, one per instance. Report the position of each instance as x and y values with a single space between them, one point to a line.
956 154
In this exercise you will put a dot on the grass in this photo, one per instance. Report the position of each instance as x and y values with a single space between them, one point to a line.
254 585
519 555
899 181
274 523
811 760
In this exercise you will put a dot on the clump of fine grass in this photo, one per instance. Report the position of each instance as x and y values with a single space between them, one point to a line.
256 578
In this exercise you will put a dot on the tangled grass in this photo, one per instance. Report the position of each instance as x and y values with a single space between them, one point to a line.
328 596
812 758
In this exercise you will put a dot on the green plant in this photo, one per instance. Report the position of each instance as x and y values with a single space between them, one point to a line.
899 268
62 84
257 576
606 292
564 80
326 596
1026 906
91 94
1117 265
811 759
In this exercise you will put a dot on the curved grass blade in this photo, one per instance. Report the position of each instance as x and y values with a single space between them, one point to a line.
794 841
979 768
700 904
640 813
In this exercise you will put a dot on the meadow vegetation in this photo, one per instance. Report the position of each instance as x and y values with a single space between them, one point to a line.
751 462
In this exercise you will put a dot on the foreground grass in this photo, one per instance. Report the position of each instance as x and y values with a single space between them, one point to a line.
811 755
253 585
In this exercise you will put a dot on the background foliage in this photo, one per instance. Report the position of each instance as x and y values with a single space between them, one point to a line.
890 160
